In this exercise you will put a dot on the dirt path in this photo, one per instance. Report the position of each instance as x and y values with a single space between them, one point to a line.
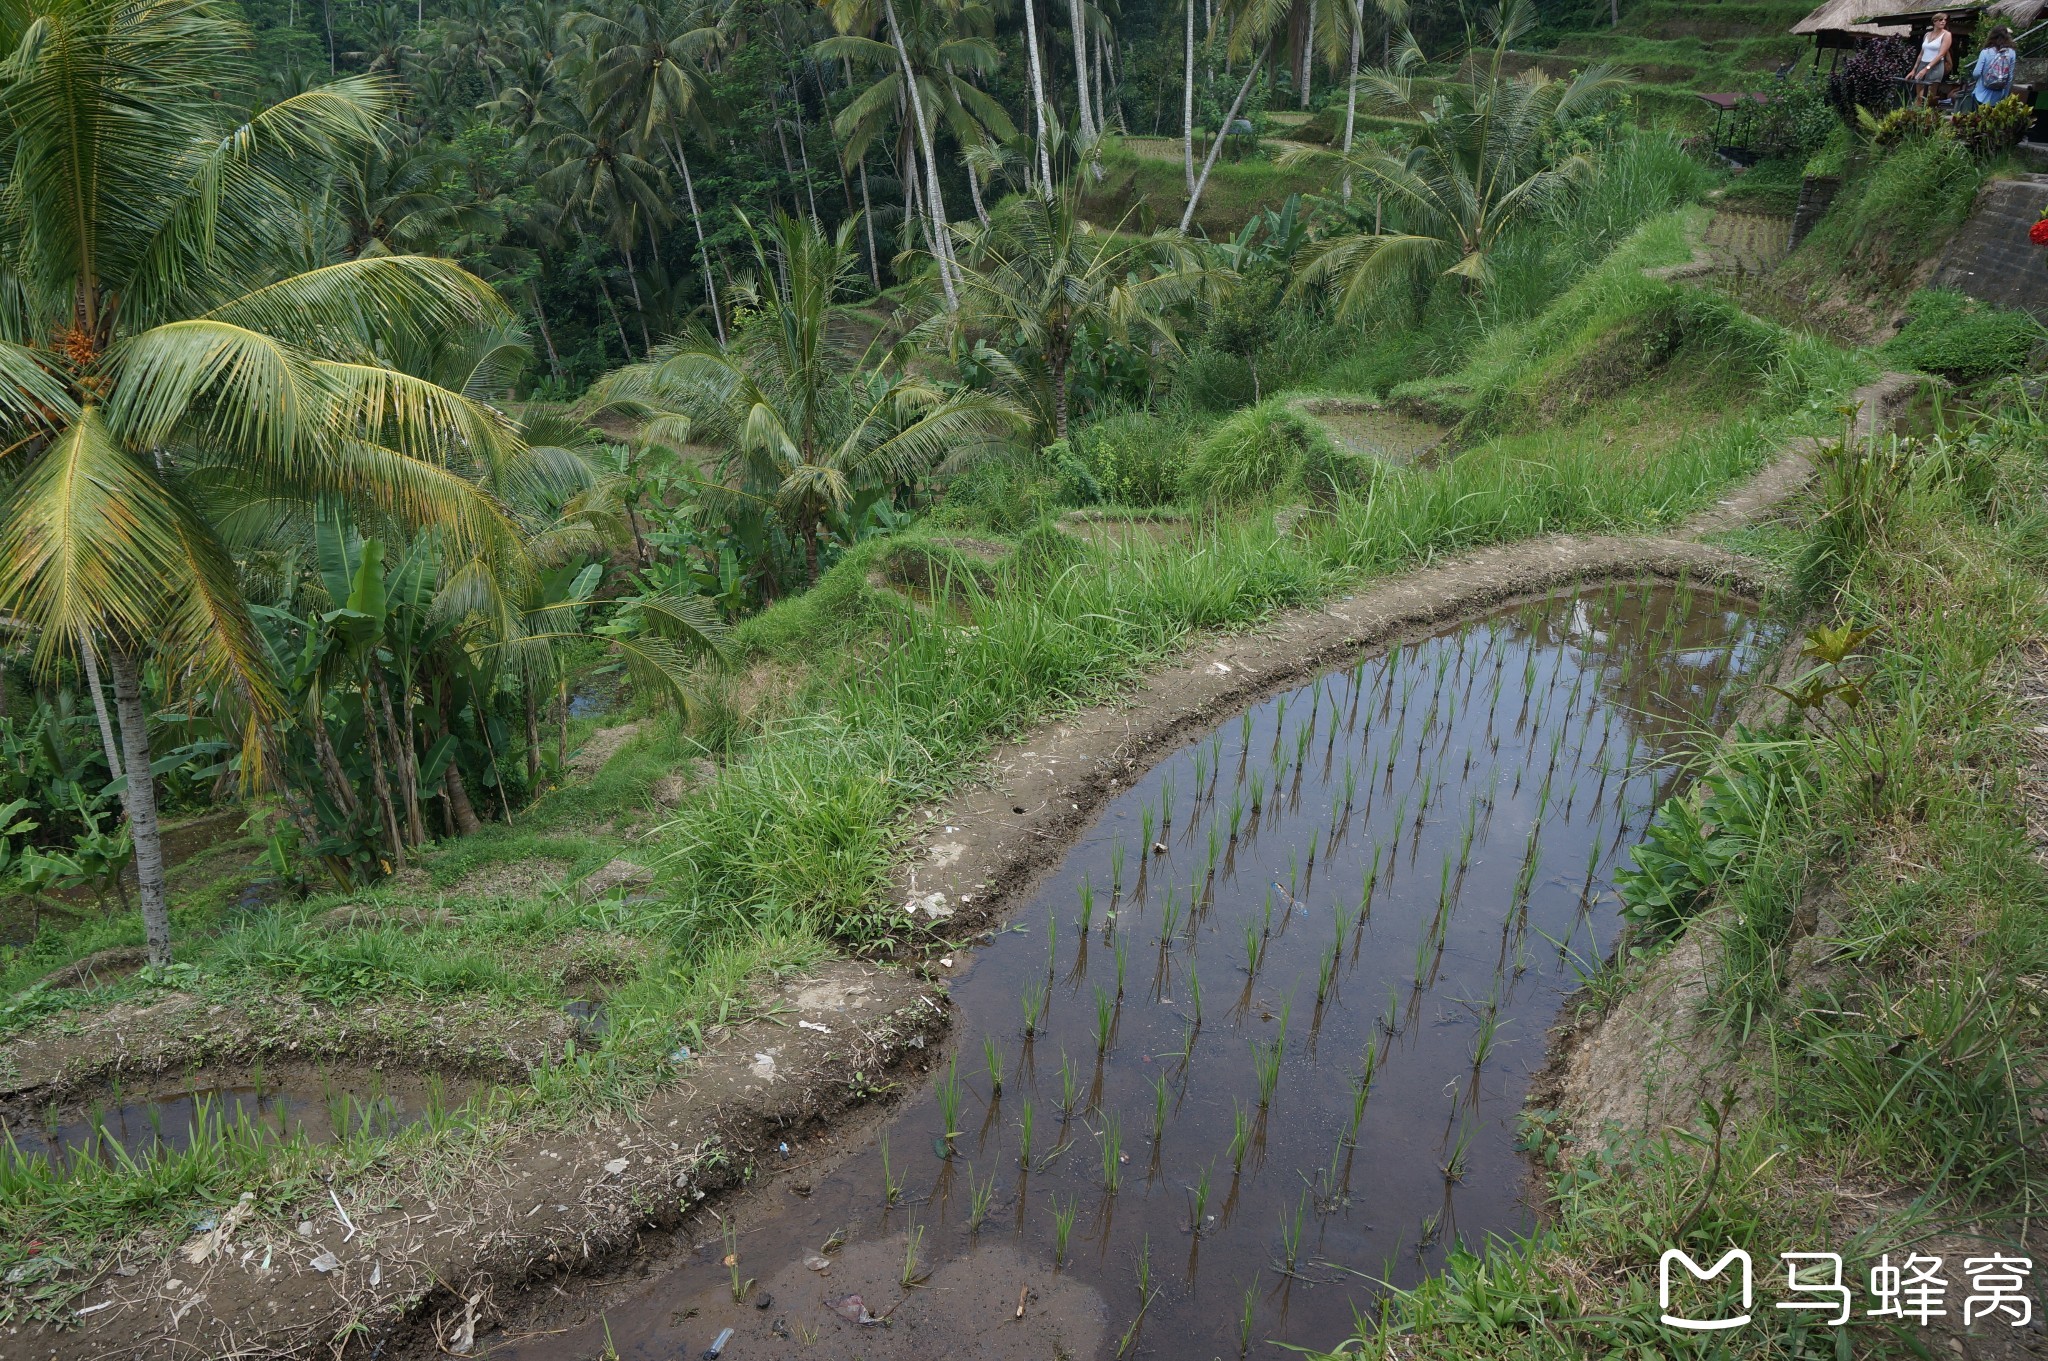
383 1257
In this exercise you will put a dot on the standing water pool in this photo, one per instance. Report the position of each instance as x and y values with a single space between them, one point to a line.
1264 1035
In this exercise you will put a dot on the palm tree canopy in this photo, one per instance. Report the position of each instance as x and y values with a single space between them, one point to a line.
806 419
162 329
1480 163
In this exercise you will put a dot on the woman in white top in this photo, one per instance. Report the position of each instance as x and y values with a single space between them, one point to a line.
1932 68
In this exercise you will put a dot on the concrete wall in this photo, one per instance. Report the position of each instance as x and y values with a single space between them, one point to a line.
1990 257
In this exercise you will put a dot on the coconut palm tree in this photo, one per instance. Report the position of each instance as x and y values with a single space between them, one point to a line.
160 337
646 62
1038 278
1479 166
927 51
808 424
1254 24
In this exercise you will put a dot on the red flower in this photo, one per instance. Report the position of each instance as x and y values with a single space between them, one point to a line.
2038 233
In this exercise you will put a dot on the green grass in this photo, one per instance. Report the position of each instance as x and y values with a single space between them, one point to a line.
1150 192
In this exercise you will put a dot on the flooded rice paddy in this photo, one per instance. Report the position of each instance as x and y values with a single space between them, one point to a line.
1262 1040
144 1119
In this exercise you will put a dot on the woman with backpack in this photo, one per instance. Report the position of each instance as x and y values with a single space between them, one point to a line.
1993 71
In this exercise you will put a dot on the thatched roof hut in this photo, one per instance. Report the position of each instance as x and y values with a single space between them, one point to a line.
1850 20
1850 23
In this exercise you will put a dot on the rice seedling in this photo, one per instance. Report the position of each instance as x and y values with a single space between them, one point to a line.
1258 791
1087 904
1489 1027
1112 1152
1034 1008
1200 1212
1314 839
1236 815
1291 1235
1145 826
980 1195
1266 1067
1027 1122
1201 770
1350 784
1070 1086
1240 1138
1052 942
913 1239
1159 1104
1360 1091
992 1060
1244 1318
1209 869
1254 944
729 1232
1195 991
1116 868
1266 913
1062 1227
1244 730
1461 1145
1302 737
1169 916
892 1189
1166 800
1327 974
1105 1019
949 1102
1120 959
1145 1267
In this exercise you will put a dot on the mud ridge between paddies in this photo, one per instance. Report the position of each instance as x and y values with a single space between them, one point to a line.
431 1267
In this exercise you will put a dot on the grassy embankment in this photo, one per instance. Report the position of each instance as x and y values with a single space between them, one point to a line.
1620 404
1868 897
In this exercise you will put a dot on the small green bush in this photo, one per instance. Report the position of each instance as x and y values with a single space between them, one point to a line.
1137 458
1268 448
1954 335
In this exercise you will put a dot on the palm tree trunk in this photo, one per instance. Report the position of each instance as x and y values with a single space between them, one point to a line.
547 337
141 800
974 193
532 737
682 161
99 705
1056 352
613 308
942 249
1187 103
1216 142
867 217
561 724
639 307
1085 117
379 781
330 767
1308 53
402 766
1038 99
1351 93
460 810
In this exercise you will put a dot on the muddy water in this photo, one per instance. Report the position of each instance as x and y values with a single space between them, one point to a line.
1417 851
147 1121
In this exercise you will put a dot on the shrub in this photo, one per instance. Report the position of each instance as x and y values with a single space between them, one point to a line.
1136 458
1994 129
1899 210
1263 449
1865 78
1956 336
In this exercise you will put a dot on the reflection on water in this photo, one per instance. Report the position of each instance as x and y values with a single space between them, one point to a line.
1270 1025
